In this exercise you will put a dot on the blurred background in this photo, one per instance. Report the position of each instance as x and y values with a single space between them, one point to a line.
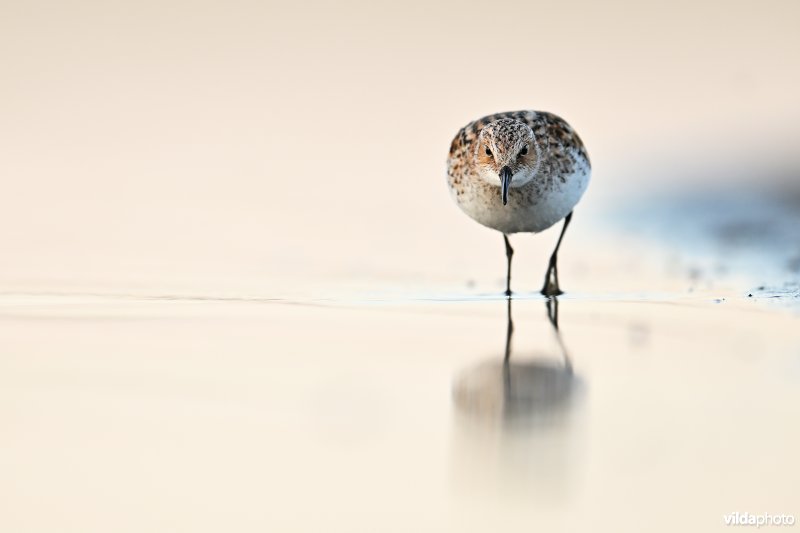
170 141
236 293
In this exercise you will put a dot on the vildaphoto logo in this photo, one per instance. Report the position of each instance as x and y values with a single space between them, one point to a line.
758 520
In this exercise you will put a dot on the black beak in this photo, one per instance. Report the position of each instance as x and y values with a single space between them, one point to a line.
505 182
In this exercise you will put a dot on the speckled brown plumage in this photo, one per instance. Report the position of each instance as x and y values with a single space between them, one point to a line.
560 155
552 133
519 171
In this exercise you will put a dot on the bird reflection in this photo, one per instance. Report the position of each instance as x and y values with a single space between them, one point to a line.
524 393
518 428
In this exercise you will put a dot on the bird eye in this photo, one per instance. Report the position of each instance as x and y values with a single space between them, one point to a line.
488 152
524 151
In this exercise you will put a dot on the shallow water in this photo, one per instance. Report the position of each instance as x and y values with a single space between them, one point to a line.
408 403
235 296
397 402
396 414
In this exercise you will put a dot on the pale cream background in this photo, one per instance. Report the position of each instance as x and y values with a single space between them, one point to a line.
173 141
236 295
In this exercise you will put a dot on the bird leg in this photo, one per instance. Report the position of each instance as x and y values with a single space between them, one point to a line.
551 287
509 254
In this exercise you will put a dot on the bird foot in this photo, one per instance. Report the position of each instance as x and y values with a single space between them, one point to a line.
551 289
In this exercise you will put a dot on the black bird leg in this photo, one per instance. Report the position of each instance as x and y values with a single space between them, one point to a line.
509 254
551 287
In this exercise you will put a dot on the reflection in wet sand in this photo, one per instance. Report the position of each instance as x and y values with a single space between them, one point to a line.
514 428
519 392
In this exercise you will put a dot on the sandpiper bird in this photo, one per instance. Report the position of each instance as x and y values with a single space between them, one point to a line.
519 172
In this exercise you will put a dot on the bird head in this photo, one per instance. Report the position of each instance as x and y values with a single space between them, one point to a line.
506 154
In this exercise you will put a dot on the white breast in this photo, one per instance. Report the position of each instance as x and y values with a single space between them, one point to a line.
532 208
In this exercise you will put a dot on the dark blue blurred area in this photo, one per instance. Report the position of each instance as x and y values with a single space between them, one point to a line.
745 231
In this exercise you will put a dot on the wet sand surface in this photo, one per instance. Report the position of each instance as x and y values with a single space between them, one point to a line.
235 295
395 411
